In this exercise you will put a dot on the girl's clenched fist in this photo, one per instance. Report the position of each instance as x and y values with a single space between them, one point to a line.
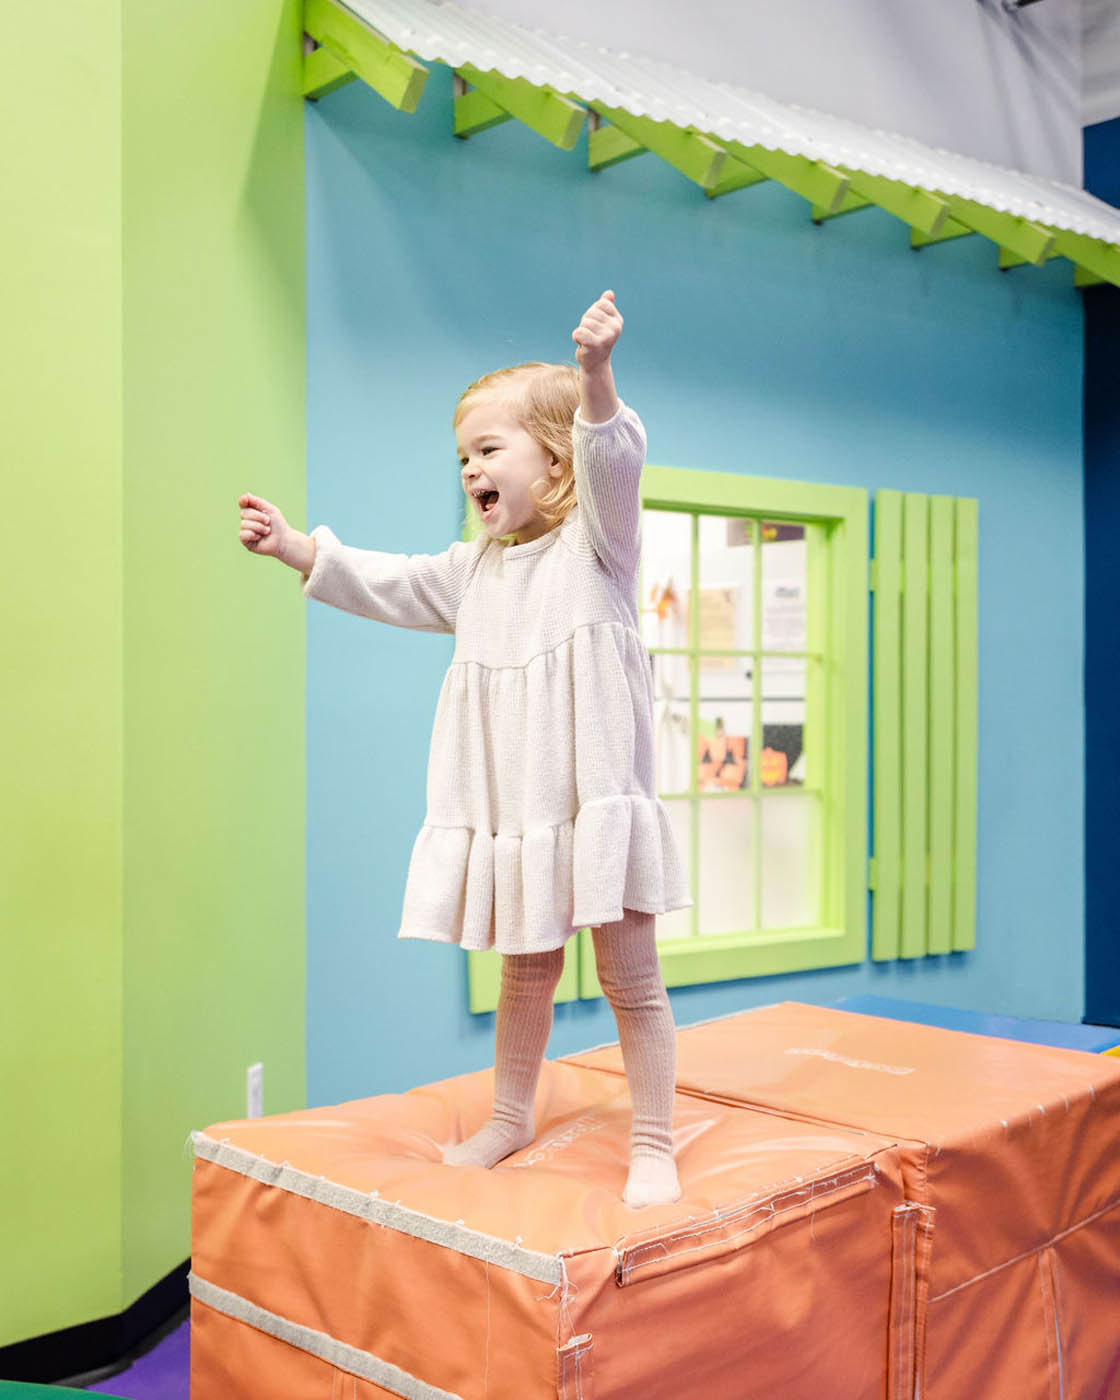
598 330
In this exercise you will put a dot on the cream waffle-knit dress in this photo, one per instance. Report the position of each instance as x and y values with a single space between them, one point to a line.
542 812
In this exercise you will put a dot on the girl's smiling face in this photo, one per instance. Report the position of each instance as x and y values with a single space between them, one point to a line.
501 463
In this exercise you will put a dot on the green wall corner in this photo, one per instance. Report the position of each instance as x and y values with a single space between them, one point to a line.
61 742
153 848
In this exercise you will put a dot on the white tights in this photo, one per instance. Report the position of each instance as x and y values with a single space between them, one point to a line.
626 960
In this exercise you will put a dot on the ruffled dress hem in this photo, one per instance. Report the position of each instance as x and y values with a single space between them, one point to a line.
528 892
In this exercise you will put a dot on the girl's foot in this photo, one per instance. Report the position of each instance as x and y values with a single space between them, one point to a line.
490 1144
652 1181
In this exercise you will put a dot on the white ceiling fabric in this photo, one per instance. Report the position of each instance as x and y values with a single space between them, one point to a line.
439 31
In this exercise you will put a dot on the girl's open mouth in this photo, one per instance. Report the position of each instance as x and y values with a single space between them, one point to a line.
487 500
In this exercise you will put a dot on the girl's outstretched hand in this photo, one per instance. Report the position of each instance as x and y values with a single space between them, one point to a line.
265 531
597 332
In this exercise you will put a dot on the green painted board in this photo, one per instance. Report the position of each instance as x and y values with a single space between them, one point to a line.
949 229
735 176
924 683
887 721
915 721
323 73
387 69
551 115
1030 241
942 725
609 145
916 207
965 794
475 112
820 184
718 164
695 156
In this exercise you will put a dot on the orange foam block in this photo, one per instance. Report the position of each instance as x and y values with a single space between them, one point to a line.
869 1209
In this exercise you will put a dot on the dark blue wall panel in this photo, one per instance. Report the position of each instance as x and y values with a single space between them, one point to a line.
1102 609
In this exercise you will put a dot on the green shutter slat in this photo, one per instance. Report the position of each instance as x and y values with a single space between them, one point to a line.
964 861
925 724
887 701
915 721
942 723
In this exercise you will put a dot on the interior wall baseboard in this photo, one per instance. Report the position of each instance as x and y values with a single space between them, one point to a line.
102 1346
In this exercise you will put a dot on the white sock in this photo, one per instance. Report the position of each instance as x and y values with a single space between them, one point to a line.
524 1022
626 959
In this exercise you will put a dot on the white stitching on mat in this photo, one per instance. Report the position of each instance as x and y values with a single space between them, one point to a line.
570 1366
906 1270
719 1218
326 1348
633 1241
769 1209
545 1268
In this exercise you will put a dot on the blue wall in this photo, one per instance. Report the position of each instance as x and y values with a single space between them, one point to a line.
754 342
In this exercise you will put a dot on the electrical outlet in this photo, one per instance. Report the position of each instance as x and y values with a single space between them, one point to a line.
254 1091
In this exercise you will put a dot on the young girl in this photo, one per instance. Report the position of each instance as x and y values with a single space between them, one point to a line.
542 809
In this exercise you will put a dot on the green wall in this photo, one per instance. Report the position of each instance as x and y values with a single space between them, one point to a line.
61 740
153 845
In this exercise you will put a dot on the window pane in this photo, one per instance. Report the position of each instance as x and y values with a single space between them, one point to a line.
678 924
725 717
726 587
784 587
790 861
666 577
726 903
783 721
671 718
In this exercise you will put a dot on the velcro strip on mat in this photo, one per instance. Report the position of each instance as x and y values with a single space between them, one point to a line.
335 1353
530 1263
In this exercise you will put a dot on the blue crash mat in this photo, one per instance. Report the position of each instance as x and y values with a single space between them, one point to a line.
1095 1039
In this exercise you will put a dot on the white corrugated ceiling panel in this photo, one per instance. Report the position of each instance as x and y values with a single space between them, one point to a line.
438 31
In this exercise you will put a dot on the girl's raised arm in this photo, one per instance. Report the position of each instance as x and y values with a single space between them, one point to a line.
609 445
595 338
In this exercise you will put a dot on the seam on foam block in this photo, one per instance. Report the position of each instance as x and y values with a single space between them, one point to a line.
571 1370
714 1230
328 1349
1035 1249
656 1235
545 1268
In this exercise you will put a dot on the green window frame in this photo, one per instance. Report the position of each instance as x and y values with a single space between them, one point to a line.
837 704
837 711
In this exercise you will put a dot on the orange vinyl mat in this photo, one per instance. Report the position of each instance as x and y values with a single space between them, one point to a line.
870 1208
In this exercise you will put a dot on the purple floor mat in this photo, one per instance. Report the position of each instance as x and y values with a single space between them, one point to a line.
162 1374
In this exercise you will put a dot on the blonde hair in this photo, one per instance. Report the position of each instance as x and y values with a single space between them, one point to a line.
544 398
